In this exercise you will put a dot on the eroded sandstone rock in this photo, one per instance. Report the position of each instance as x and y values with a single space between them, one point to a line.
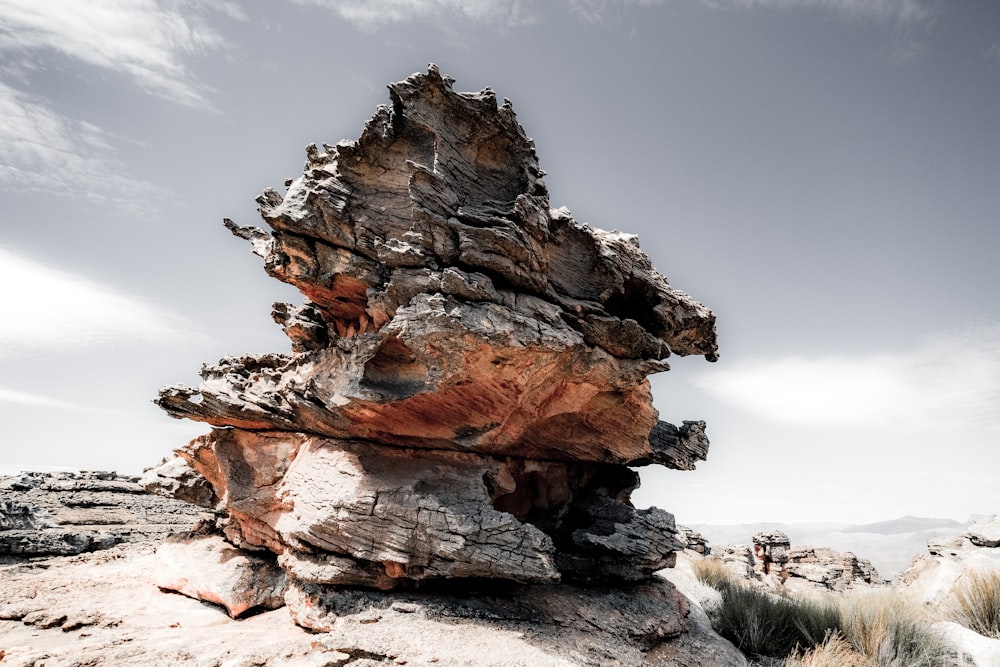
467 380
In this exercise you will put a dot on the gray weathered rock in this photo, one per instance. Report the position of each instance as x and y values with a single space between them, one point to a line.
58 514
985 532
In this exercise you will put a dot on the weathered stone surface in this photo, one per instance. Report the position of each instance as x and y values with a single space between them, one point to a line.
57 514
692 540
985 532
770 550
206 567
174 478
103 609
425 514
449 308
932 575
828 568
467 381
591 626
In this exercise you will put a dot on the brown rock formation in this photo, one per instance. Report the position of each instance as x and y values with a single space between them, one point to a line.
466 386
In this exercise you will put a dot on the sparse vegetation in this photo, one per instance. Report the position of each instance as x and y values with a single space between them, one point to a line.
889 630
761 623
975 603
876 628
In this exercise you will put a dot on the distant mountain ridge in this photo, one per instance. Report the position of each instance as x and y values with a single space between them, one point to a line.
906 524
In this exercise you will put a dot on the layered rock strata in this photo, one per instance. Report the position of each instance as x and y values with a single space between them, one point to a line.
66 513
467 384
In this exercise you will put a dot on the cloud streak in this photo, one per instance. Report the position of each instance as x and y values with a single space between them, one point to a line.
892 11
29 400
44 152
144 40
50 310
371 14
950 383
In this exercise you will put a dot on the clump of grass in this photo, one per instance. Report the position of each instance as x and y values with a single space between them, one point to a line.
834 652
975 603
763 624
889 630
713 572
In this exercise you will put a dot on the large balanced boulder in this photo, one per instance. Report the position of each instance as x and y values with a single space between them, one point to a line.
466 388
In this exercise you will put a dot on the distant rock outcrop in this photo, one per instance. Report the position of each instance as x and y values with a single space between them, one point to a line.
65 513
932 575
773 562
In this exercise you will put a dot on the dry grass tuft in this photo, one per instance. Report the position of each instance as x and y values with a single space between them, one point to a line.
975 603
834 652
889 630
713 572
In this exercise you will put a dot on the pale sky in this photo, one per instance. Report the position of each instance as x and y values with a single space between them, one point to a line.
823 174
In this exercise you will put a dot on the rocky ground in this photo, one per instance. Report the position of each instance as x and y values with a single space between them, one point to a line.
61 514
103 606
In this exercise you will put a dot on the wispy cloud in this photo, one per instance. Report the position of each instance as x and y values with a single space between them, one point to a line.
144 40
56 311
29 400
370 14
43 151
892 11
949 383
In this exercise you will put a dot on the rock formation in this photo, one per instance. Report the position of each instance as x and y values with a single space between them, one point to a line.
59 514
773 562
932 575
467 389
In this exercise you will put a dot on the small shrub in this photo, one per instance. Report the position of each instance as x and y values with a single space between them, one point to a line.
975 603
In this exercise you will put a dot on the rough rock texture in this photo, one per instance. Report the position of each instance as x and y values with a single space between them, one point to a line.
467 382
58 514
206 567
692 540
174 478
103 609
773 562
985 533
